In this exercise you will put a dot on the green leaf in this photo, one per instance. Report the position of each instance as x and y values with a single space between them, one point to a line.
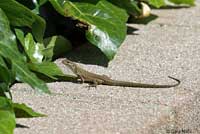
48 51
5 90
20 15
49 69
188 2
5 81
32 49
157 3
23 111
23 74
7 116
37 52
131 6
8 76
41 2
4 72
20 36
160 3
37 4
2 62
56 46
5 75
106 22
9 50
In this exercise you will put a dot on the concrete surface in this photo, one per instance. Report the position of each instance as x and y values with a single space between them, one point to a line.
169 45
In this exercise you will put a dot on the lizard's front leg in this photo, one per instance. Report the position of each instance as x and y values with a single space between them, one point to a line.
81 78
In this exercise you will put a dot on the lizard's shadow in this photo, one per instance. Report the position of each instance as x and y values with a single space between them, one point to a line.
88 54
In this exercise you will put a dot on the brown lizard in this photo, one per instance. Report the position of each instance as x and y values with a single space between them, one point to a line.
96 79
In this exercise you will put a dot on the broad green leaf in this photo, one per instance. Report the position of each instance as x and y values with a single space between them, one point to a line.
48 51
160 3
37 7
5 75
23 74
9 75
106 22
37 52
5 90
4 72
7 116
2 62
52 71
23 111
59 6
188 2
37 4
27 3
5 81
55 47
157 3
20 36
41 2
33 49
20 15
131 6
49 69
9 50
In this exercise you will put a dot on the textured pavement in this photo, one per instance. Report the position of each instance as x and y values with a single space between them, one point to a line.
167 46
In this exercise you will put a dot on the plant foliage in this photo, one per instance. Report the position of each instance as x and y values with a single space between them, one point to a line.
29 43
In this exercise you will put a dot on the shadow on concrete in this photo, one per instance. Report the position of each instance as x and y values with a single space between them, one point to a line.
131 30
88 54
143 20
21 126
172 7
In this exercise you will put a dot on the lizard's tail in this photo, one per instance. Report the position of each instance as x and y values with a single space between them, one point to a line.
142 85
177 80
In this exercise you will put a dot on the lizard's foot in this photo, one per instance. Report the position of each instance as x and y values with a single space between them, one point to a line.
82 79
89 86
92 85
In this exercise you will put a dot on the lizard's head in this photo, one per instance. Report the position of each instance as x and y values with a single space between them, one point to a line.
69 63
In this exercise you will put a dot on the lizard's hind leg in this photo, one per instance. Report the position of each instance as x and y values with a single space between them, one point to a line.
93 84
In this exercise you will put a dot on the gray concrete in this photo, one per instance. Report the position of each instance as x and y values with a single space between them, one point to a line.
169 45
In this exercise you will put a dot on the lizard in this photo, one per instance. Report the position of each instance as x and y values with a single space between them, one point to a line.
96 79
